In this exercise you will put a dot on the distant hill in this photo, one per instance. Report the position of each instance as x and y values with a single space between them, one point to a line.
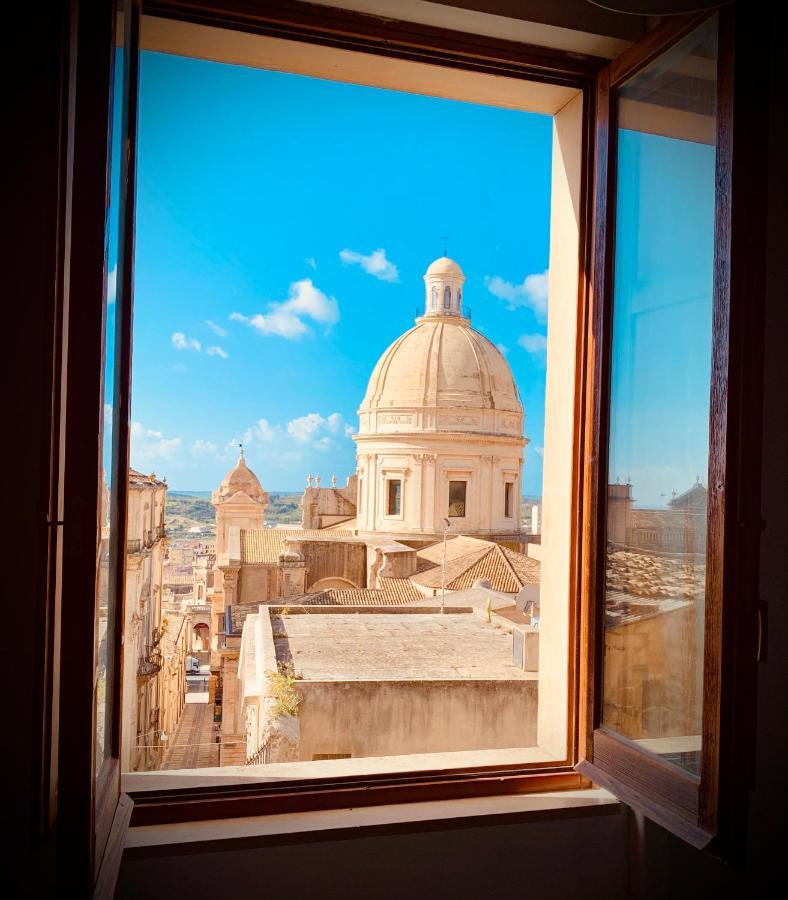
193 509
188 510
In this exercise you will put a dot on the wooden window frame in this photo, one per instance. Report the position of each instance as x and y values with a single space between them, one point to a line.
81 844
331 27
707 808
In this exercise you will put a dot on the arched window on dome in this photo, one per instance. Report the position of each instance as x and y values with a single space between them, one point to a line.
434 298
447 297
459 300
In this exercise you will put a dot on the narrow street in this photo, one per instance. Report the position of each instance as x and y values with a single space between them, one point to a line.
192 746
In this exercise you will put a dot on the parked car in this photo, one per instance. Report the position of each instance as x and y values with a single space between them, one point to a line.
192 665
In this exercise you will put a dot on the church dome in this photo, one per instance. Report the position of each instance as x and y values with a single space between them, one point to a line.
241 479
442 375
444 266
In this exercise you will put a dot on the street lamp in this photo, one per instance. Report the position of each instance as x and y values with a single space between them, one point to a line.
446 527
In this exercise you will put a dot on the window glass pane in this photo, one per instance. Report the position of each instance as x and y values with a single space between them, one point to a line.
659 406
507 500
394 498
457 498
107 552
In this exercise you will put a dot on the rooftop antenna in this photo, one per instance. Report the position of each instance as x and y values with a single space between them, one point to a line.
445 239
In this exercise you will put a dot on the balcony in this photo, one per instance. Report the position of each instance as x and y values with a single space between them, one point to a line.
134 546
161 532
150 663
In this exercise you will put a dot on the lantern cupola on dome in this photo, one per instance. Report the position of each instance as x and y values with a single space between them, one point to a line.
443 281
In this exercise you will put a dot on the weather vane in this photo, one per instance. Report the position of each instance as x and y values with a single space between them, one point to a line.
445 239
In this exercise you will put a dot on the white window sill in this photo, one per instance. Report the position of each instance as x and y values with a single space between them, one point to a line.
146 840
172 779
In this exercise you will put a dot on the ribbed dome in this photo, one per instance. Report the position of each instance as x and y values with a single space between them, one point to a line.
241 479
435 376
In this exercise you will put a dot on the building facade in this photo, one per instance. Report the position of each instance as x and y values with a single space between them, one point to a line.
155 640
440 427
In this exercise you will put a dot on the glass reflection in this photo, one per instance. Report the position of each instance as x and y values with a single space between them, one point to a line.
659 406
107 538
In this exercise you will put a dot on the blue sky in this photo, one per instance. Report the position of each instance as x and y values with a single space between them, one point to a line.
662 315
283 227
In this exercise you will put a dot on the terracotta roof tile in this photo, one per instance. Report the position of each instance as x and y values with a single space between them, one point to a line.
506 570
263 545
654 576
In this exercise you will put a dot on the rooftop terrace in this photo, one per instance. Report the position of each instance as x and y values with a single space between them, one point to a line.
384 645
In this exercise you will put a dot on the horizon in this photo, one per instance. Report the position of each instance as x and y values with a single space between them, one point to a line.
280 216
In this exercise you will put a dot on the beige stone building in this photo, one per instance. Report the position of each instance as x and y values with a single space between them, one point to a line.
439 452
381 681
155 639
440 427
654 617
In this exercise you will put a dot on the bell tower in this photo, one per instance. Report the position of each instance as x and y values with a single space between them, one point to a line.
240 501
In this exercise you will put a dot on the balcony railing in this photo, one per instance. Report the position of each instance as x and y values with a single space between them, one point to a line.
260 758
150 663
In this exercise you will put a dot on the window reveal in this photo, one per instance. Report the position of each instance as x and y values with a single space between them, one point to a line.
457 493
394 497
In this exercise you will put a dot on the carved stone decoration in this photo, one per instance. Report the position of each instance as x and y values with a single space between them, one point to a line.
395 419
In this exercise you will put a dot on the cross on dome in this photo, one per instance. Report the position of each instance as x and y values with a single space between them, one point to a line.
443 281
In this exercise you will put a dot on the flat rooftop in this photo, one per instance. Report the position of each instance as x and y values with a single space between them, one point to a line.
402 646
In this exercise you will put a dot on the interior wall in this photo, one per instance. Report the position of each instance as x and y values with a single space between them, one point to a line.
538 859
29 261
503 861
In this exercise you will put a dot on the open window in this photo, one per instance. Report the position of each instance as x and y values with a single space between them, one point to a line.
632 317
472 480
661 545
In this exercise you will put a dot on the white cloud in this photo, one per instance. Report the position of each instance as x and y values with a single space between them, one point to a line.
535 344
309 432
286 319
532 293
375 264
305 427
203 448
112 285
149 445
179 367
311 262
503 349
217 351
181 342
216 329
